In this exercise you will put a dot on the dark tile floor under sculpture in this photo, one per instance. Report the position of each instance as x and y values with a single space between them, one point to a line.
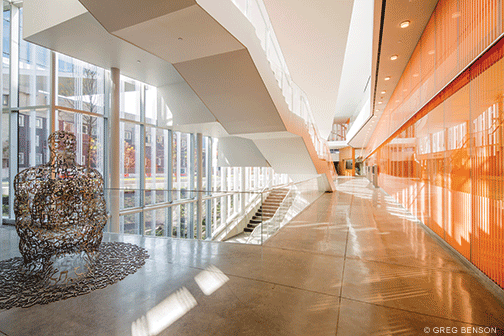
353 263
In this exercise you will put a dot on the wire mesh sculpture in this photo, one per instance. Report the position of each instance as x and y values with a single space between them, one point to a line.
60 215
60 210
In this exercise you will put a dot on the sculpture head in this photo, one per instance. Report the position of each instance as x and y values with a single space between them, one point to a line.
62 145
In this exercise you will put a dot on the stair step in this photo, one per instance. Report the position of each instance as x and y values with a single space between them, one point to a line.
266 213
248 229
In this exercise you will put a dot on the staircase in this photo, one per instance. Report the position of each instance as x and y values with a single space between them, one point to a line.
268 208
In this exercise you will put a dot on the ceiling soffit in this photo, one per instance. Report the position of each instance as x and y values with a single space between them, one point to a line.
390 39
115 15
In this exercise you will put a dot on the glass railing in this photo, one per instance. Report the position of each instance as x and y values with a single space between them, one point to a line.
185 213
297 100
235 216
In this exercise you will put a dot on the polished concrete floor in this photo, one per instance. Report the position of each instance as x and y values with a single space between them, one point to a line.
353 263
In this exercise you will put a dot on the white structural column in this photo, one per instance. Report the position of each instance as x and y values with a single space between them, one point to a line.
199 184
115 150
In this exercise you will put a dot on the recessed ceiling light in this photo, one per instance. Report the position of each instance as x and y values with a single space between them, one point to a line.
405 90
431 52
383 92
380 103
416 75
397 101
180 38
394 57
405 24
377 110
456 15
387 78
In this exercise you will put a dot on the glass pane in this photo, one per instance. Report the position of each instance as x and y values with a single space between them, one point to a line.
5 58
130 164
89 133
5 164
217 213
185 166
175 165
34 63
154 222
204 221
175 221
156 160
184 220
130 98
81 85
181 168
130 223
33 131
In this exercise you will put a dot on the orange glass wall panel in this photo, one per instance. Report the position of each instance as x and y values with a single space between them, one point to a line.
486 131
446 164
448 169
457 217
447 23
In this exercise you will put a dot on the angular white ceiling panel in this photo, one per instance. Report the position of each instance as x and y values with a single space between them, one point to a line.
185 105
239 152
287 155
233 90
79 35
119 14
181 36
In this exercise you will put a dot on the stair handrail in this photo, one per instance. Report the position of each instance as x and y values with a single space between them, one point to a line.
288 198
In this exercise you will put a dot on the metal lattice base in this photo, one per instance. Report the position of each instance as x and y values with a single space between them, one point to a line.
113 263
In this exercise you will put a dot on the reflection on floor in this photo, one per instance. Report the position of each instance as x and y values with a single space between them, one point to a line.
353 263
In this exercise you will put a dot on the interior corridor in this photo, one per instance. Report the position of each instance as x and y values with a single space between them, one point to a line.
353 263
